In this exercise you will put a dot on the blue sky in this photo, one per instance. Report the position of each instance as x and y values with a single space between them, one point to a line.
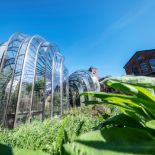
101 33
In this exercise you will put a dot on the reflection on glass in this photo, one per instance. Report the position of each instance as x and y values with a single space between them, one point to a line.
144 67
140 59
152 64
135 70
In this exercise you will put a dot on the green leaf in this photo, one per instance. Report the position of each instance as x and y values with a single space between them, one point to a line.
146 105
143 92
126 88
120 120
143 81
124 102
151 124
113 97
112 141
138 91
60 134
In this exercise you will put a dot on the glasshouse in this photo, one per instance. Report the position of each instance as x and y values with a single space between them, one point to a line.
81 81
35 84
33 80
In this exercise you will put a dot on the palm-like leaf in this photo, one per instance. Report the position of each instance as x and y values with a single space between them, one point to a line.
137 120
136 100
143 81
115 141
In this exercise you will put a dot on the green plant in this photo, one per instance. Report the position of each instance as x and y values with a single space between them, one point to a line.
51 134
17 151
60 139
130 132
110 141
137 103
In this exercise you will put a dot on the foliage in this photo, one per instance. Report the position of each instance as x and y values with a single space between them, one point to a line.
143 81
17 151
6 150
39 84
112 141
51 134
130 132
137 102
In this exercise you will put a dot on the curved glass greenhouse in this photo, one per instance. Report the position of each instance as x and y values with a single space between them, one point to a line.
33 80
79 82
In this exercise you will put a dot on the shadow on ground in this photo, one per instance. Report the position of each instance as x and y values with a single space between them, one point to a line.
5 150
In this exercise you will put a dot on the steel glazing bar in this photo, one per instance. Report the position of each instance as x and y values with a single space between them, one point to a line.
21 78
12 79
34 79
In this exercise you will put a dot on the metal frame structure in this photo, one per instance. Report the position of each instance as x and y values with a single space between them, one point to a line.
81 81
33 80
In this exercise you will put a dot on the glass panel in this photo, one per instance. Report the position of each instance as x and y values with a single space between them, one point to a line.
65 99
38 94
144 67
152 64
57 84
48 84
7 84
135 70
26 85
140 59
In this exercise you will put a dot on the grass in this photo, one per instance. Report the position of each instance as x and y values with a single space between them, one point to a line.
48 135
6 150
17 151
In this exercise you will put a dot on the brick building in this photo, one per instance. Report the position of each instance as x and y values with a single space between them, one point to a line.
141 63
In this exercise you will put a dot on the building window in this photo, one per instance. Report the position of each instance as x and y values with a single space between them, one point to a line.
135 70
144 67
140 59
152 64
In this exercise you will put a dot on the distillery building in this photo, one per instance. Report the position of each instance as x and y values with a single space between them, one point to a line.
141 63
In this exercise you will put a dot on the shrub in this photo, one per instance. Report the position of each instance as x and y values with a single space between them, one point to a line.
49 135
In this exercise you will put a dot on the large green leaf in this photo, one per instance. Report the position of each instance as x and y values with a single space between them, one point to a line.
143 95
113 97
147 82
146 105
151 124
125 102
131 89
135 113
114 141
120 105
120 120
125 88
